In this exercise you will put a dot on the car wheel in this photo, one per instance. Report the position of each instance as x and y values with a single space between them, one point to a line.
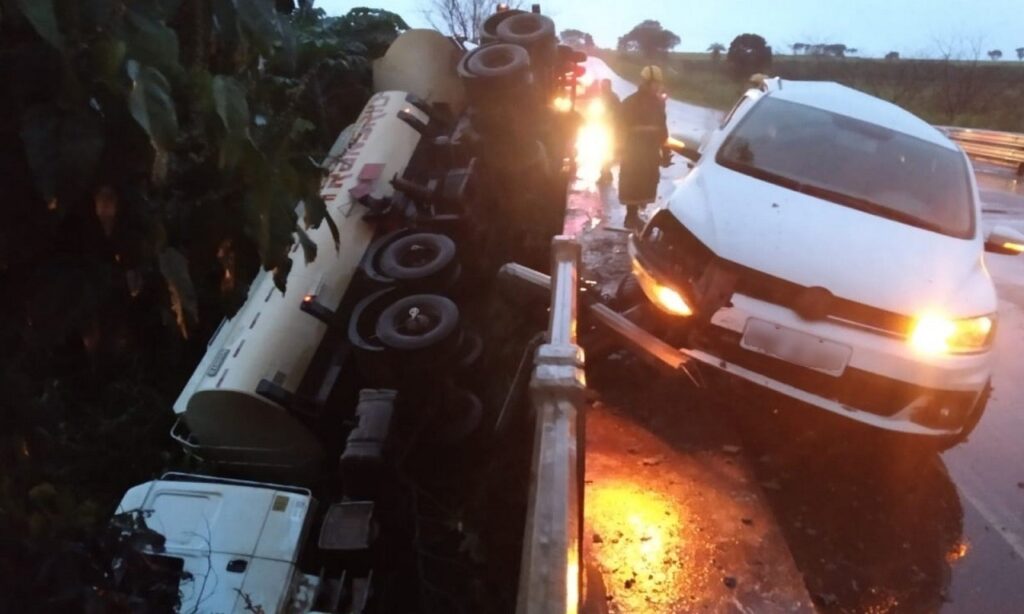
972 421
418 256
417 322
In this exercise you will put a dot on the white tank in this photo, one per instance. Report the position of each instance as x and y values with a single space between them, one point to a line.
271 337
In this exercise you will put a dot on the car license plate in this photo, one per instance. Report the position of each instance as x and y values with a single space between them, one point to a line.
796 347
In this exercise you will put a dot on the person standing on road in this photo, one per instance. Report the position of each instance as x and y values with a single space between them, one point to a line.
644 133
613 113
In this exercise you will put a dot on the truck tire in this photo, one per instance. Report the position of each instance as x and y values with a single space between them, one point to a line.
527 30
498 61
489 29
417 256
417 322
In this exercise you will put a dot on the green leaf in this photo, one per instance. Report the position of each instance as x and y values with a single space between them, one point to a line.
150 41
43 19
229 100
151 105
262 21
174 268
62 149
107 56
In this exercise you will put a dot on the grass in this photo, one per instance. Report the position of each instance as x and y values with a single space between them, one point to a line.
971 94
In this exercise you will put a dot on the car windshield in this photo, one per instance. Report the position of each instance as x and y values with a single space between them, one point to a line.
853 163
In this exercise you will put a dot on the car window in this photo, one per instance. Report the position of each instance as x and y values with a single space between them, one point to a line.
853 163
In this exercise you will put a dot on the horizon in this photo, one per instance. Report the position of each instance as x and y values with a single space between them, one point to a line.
873 27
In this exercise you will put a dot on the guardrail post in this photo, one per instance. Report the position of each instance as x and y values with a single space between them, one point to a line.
549 578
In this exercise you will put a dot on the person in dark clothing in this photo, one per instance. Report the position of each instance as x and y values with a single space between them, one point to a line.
643 133
612 111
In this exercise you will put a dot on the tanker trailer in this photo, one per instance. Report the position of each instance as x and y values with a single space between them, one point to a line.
239 406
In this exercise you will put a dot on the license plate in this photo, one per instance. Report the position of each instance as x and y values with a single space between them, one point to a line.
796 347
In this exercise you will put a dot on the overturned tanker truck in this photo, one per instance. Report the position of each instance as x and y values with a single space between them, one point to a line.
318 413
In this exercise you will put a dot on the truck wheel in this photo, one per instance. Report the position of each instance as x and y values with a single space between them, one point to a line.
417 256
461 416
497 61
527 30
489 29
417 322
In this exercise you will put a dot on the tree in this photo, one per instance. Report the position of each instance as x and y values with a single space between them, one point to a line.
799 48
995 54
749 54
576 38
716 50
461 18
852 50
892 55
154 152
649 38
1020 53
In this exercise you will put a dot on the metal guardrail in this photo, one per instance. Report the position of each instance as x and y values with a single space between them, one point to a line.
550 579
1006 148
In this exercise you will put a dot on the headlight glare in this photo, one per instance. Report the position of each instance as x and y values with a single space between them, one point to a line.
936 334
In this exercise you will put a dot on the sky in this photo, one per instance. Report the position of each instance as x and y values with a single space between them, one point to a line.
875 27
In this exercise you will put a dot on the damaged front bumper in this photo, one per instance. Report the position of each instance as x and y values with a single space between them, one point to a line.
870 375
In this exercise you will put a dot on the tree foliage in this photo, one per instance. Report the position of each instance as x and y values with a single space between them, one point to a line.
650 39
576 38
749 54
461 18
154 151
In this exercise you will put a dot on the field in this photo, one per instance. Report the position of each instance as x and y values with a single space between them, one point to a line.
980 94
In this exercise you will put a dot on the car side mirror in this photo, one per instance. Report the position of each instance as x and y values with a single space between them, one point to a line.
1004 240
683 148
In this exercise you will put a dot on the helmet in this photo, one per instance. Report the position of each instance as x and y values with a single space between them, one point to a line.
652 73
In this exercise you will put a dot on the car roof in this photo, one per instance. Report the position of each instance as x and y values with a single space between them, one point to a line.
838 98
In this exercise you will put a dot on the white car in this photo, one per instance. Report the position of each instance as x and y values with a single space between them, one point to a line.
827 245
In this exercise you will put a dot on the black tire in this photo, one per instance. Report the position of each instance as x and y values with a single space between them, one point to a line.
461 416
498 61
489 29
417 322
417 256
527 30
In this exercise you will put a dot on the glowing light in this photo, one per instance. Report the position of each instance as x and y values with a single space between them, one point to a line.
1014 247
562 104
572 579
642 538
957 552
665 298
935 334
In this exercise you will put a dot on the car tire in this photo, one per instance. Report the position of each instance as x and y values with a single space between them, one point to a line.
417 256
418 322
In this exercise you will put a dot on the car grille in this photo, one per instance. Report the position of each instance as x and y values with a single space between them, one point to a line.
677 253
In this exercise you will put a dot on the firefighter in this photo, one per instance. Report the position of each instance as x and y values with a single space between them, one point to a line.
612 111
644 133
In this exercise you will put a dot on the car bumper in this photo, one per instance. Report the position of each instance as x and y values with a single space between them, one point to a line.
885 383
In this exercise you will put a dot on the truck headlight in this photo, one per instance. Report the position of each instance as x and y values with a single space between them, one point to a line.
935 334
667 299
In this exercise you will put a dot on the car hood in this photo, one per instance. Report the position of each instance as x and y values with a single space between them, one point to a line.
813 242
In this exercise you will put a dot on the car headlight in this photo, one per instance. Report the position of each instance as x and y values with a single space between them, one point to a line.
666 298
935 334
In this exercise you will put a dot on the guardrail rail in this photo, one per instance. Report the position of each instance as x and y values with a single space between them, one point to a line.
1005 148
